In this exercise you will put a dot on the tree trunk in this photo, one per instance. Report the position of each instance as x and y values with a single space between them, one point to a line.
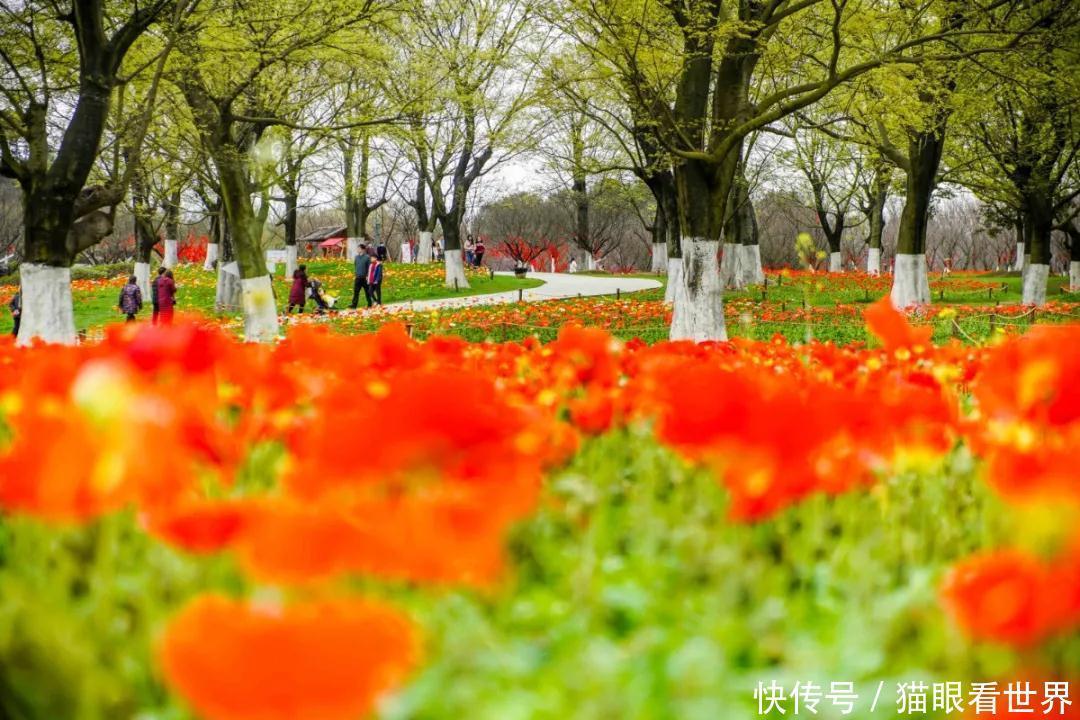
911 285
703 191
291 201
1038 229
172 230
1021 246
213 247
880 193
227 297
1074 257
453 261
753 273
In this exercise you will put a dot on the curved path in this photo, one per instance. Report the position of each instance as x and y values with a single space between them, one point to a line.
556 286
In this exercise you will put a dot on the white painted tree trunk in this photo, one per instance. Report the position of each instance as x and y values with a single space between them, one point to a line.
731 275
227 297
423 250
47 310
552 264
873 261
260 311
836 262
590 263
659 258
142 279
406 252
352 247
674 278
911 285
211 256
455 270
290 260
1035 278
1018 265
753 272
699 297
1074 275
170 259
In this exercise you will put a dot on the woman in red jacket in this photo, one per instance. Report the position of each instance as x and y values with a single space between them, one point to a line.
166 297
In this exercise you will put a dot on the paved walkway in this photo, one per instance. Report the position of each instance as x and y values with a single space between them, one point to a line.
556 286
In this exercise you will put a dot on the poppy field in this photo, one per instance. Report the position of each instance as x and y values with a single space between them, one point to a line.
341 526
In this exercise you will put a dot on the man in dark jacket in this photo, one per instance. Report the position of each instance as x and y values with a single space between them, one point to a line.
154 294
361 263
16 311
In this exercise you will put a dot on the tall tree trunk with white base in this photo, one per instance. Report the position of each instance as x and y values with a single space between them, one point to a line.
731 272
47 310
873 261
699 298
142 279
875 197
291 262
911 283
753 271
352 248
703 190
1038 230
659 258
836 261
674 278
424 247
1073 234
212 254
1020 260
229 152
455 270
260 309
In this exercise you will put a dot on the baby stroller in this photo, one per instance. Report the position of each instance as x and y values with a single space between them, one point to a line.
323 302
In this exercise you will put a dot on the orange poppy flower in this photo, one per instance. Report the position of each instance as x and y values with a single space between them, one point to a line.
331 659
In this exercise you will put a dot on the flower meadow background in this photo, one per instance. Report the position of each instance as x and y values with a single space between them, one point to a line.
349 525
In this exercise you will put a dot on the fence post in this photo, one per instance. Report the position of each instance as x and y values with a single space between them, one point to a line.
866 294
520 294
408 329
993 323
941 296
955 328
783 306
617 296
455 285
990 293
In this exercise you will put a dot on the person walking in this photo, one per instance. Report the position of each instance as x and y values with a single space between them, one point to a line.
166 297
130 299
298 291
470 247
478 253
374 280
16 311
154 294
361 265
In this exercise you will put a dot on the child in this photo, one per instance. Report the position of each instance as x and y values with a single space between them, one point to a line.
321 302
375 273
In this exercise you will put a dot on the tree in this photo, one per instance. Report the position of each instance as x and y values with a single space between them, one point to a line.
233 107
61 216
744 66
469 122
